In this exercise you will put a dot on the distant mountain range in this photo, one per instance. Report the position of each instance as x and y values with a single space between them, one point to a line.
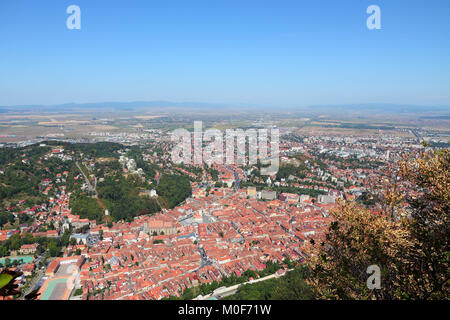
119 106
383 107
357 109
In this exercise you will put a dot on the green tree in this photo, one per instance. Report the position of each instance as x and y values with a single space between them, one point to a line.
409 246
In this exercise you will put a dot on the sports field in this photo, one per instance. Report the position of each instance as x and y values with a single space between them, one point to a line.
25 259
55 289
59 286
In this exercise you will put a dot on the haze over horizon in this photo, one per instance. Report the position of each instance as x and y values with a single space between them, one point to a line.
205 105
233 52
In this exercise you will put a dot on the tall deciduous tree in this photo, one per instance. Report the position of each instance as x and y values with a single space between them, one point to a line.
410 246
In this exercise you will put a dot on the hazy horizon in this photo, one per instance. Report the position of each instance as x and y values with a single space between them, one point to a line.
392 107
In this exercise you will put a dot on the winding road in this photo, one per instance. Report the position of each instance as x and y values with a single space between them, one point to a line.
90 187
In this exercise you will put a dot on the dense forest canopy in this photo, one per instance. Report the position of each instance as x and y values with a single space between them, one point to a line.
174 189
121 196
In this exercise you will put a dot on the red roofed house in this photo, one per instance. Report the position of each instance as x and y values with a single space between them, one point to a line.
29 248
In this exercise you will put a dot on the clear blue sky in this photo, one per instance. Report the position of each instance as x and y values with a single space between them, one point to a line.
288 53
